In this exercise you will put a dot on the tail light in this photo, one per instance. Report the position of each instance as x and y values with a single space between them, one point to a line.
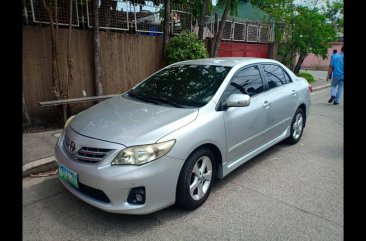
310 88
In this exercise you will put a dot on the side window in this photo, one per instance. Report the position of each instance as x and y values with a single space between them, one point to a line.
275 75
287 78
247 81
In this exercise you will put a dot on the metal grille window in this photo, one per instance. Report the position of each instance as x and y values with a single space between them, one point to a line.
181 21
112 15
252 33
147 18
227 31
60 13
212 28
239 32
264 34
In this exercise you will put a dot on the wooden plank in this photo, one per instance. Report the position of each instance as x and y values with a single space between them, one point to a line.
74 100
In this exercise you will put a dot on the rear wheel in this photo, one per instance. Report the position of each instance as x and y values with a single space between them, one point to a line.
196 178
297 127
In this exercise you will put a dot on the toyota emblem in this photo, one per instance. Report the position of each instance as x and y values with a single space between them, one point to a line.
72 146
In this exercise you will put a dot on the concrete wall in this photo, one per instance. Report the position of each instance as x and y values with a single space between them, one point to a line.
317 62
126 60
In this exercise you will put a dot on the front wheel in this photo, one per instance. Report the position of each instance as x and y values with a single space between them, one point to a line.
297 127
195 179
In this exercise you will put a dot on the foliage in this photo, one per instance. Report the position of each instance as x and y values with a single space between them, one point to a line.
309 77
312 33
282 11
333 11
184 47
301 29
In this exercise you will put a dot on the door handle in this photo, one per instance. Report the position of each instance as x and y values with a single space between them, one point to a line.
294 92
266 104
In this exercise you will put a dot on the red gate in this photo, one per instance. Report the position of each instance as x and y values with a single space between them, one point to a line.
230 49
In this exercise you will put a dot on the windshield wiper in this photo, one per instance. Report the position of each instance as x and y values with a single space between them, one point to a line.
166 101
143 98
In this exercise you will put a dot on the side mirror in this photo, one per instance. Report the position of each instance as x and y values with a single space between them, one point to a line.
237 100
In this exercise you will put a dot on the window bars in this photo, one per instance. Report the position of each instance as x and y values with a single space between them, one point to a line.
181 20
112 15
58 9
147 18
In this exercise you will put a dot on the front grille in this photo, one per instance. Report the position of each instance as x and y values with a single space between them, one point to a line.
86 154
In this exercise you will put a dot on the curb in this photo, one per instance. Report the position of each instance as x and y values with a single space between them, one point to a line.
321 87
41 165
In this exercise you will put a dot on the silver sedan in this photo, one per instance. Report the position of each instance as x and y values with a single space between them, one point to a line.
166 140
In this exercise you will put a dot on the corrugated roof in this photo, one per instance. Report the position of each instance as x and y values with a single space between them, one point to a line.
246 11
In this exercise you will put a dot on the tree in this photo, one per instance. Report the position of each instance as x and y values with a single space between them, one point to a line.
312 33
166 33
282 11
53 18
202 19
69 56
230 6
301 29
97 58
333 11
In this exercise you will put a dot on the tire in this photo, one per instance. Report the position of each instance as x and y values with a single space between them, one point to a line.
196 178
297 127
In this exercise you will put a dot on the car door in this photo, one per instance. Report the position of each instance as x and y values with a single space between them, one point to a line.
281 97
244 125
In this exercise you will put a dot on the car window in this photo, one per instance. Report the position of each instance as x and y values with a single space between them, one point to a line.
246 81
182 85
275 75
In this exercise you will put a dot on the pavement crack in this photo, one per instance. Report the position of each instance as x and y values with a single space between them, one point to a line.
43 199
288 204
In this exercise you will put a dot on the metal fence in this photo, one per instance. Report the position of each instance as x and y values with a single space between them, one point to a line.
59 10
147 18
111 15
120 15
244 31
181 20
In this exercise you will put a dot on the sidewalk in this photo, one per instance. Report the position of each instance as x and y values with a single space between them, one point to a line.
320 76
38 151
38 148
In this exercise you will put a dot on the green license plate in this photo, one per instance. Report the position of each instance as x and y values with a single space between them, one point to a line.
67 175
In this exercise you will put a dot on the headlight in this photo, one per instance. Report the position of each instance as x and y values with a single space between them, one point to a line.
138 155
68 121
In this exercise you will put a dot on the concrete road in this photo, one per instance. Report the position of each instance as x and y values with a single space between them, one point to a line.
287 193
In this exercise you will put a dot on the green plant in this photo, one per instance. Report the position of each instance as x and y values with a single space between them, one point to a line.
307 76
184 47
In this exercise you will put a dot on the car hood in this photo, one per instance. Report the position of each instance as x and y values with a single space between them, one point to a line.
129 122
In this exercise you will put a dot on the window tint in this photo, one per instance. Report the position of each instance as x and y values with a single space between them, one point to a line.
247 81
275 75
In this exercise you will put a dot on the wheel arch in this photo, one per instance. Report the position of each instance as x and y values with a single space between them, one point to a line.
216 152
303 108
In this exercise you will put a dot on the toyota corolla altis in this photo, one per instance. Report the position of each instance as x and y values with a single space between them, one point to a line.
166 140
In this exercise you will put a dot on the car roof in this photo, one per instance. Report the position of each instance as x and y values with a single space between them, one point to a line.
226 61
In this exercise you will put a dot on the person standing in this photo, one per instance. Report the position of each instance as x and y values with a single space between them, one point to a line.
336 67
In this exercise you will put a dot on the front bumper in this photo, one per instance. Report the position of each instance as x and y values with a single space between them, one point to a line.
159 178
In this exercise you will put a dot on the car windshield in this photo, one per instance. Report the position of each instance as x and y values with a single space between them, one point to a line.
181 85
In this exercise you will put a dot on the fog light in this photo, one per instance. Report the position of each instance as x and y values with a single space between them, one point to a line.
136 196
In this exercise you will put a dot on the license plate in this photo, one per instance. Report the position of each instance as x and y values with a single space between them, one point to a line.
67 175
